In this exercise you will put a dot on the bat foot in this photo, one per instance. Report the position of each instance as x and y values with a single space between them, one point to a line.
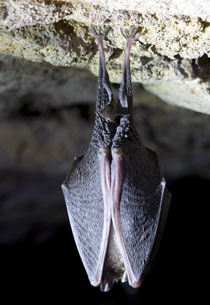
99 32
130 34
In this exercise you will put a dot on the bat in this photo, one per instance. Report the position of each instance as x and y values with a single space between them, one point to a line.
116 197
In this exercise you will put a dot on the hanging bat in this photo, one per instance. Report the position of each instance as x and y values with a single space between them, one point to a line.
115 194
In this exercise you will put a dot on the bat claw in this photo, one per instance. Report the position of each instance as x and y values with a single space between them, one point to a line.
99 32
130 34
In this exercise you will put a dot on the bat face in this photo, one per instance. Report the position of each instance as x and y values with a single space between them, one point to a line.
115 195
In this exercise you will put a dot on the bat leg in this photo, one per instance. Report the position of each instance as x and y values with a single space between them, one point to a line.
125 91
104 98
99 35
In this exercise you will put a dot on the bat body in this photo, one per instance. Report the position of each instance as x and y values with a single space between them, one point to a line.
115 194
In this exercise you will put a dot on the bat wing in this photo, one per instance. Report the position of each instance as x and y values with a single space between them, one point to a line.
84 201
140 216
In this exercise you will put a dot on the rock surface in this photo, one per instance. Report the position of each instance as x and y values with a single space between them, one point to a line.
171 57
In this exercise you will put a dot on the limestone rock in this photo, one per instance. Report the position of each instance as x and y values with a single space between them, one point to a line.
170 57
189 94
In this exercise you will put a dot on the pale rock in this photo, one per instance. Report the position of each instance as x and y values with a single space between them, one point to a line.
171 57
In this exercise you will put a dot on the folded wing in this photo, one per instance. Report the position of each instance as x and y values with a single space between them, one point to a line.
84 201
139 219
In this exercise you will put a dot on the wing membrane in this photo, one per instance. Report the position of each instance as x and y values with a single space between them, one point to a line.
137 217
84 201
